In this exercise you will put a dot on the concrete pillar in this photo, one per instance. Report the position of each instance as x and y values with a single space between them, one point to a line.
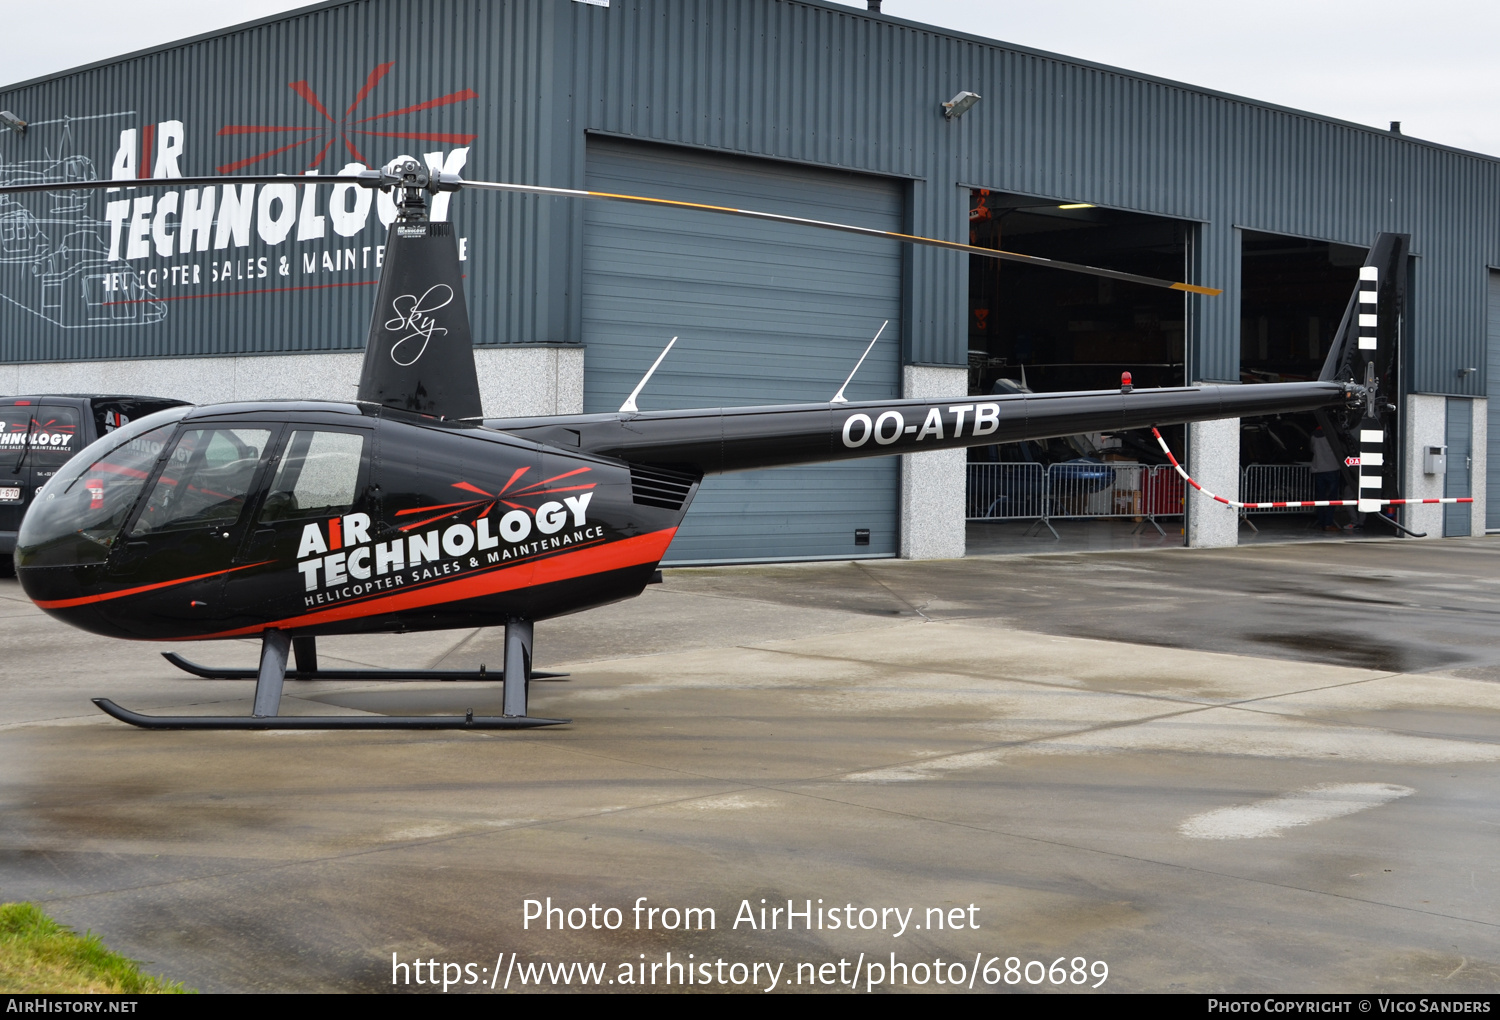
516 381
513 380
1426 425
932 484
1480 474
1214 462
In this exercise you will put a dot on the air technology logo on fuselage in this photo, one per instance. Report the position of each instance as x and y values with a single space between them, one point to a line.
338 560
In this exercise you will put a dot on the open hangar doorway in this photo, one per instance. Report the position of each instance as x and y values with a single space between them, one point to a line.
1050 330
1293 294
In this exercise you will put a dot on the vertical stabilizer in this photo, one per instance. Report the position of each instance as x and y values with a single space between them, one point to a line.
1372 321
1366 351
420 353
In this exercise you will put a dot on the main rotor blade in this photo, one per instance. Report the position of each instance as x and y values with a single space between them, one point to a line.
933 242
177 182
537 189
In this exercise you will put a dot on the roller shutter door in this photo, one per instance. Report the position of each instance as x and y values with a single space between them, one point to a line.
767 313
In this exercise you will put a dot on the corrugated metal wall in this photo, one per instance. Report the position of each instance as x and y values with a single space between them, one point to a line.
792 80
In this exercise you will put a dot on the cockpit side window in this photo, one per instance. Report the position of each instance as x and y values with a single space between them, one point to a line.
77 517
318 476
206 480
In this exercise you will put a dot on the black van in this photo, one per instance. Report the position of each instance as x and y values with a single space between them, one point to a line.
40 434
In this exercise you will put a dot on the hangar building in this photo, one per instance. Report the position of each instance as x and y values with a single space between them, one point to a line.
792 106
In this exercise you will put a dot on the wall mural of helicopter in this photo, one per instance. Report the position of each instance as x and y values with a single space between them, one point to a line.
406 510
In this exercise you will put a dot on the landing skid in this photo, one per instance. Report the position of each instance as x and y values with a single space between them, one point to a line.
469 721
274 649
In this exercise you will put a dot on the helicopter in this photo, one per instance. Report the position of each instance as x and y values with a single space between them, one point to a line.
408 510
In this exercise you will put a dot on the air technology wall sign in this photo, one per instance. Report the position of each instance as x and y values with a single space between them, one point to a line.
131 259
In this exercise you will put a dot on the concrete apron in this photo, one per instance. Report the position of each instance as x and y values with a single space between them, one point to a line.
1198 820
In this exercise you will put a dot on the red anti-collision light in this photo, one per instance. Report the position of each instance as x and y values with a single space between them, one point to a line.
1125 386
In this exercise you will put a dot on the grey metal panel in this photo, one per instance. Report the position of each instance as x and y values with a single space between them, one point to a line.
807 81
1492 360
765 314
1458 480
785 79
503 52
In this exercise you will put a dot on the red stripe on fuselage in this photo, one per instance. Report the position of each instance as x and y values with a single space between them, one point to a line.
90 599
627 552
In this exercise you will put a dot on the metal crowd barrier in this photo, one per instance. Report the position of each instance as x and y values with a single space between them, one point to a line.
1026 491
1277 483
1019 490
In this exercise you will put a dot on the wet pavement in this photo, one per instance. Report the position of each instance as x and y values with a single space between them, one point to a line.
1258 769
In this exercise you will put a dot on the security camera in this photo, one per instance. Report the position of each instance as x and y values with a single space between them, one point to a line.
13 122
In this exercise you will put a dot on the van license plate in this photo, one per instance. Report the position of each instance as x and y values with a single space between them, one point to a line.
12 495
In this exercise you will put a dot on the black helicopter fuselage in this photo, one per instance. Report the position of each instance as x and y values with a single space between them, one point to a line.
325 518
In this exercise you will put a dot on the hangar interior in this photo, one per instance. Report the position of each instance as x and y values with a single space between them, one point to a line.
1054 331
1073 332
1293 292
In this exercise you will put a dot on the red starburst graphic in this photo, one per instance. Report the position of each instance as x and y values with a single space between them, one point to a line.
487 500
321 137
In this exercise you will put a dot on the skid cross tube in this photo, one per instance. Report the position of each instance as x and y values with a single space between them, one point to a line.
481 675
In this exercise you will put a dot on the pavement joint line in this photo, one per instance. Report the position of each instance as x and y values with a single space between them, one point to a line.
1326 721
1098 728
782 787
456 647
1175 865
386 848
860 566
767 602
1052 685
540 823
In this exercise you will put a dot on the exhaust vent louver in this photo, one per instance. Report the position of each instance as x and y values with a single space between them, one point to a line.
652 485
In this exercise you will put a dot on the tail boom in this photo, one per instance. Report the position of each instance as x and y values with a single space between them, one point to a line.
722 440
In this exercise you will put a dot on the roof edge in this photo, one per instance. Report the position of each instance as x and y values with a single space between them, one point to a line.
174 44
954 33
835 8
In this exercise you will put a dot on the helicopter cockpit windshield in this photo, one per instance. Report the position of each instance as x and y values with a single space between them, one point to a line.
79 512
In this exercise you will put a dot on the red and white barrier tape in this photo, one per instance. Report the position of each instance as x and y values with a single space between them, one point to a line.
1308 502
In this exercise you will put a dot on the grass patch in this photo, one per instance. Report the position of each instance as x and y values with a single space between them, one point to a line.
38 955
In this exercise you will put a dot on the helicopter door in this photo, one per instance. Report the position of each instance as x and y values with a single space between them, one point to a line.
181 543
310 545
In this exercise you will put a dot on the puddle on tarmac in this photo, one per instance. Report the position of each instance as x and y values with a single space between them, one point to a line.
1360 652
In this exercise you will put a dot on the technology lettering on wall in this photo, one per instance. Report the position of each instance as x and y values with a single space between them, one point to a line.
227 218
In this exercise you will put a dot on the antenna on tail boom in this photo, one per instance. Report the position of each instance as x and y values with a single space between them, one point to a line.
629 406
839 398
